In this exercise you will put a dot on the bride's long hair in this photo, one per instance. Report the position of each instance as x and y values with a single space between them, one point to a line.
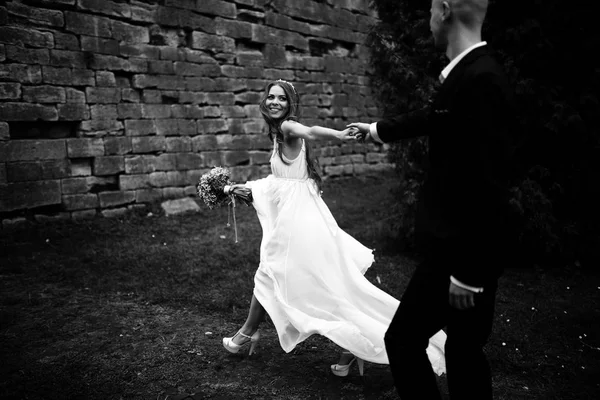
292 113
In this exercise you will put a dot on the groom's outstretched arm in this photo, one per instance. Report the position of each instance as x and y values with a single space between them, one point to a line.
404 126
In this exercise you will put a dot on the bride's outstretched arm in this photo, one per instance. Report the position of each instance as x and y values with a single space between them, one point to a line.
297 130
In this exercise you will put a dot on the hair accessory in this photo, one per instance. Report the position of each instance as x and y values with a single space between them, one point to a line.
289 83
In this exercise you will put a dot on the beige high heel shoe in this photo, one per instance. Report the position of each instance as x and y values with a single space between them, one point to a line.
343 370
234 348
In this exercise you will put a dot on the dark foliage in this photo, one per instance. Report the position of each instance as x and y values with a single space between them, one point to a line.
547 50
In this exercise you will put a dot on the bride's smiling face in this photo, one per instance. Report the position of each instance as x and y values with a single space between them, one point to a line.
277 102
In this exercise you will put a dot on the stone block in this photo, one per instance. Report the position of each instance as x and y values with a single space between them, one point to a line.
132 182
81 167
103 111
241 72
116 198
259 157
10 91
35 15
30 74
179 206
170 193
52 218
100 45
204 143
105 7
80 148
109 165
27 56
148 195
231 158
73 112
25 195
100 127
117 145
114 212
10 111
26 37
140 127
26 150
148 144
156 111
233 29
179 144
23 171
128 33
187 161
212 43
269 35
105 79
130 95
83 214
87 24
57 75
67 58
215 7
212 126
4 131
103 95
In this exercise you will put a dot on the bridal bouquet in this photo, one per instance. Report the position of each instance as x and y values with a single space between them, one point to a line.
211 187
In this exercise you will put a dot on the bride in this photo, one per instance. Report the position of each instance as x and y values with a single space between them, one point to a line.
310 279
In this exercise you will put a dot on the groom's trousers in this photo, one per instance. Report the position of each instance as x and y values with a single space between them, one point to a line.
423 311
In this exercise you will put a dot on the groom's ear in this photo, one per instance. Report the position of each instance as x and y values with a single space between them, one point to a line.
446 11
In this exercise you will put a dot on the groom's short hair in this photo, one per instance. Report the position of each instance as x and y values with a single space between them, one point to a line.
471 13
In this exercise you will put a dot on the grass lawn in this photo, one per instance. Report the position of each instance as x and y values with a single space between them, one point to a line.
135 308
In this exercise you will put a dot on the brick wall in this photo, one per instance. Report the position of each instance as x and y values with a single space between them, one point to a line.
108 105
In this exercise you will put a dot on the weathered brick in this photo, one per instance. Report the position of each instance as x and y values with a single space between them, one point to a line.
116 198
213 43
85 201
209 126
267 34
108 165
10 91
105 7
83 77
99 45
57 76
233 29
130 95
36 15
31 74
235 158
166 127
44 94
86 24
24 195
216 7
129 33
4 131
114 212
139 127
242 72
117 145
26 37
148 195
259 157
131 182
173 193
102 95
27 112
189 161
105 78
103 111
73 112
23 171
156 111
143 12
233 112
279 20
67 58
75 96
27 56
81 215
81 167
148 144
250 58
169 16
204 143
2 53
100 127
139 50
65 41
160 67
78 148
129 111
179 144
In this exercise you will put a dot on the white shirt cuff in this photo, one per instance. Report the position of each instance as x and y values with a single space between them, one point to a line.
373 132
464 286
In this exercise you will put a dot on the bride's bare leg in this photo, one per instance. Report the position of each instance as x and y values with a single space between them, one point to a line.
256 314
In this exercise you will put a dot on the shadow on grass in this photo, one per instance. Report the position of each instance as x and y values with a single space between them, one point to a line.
136 308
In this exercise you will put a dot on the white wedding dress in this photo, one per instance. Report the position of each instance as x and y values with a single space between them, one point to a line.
310 278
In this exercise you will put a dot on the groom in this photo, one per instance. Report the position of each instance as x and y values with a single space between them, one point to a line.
461 214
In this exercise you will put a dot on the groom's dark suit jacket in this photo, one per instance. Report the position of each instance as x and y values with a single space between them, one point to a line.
462 212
